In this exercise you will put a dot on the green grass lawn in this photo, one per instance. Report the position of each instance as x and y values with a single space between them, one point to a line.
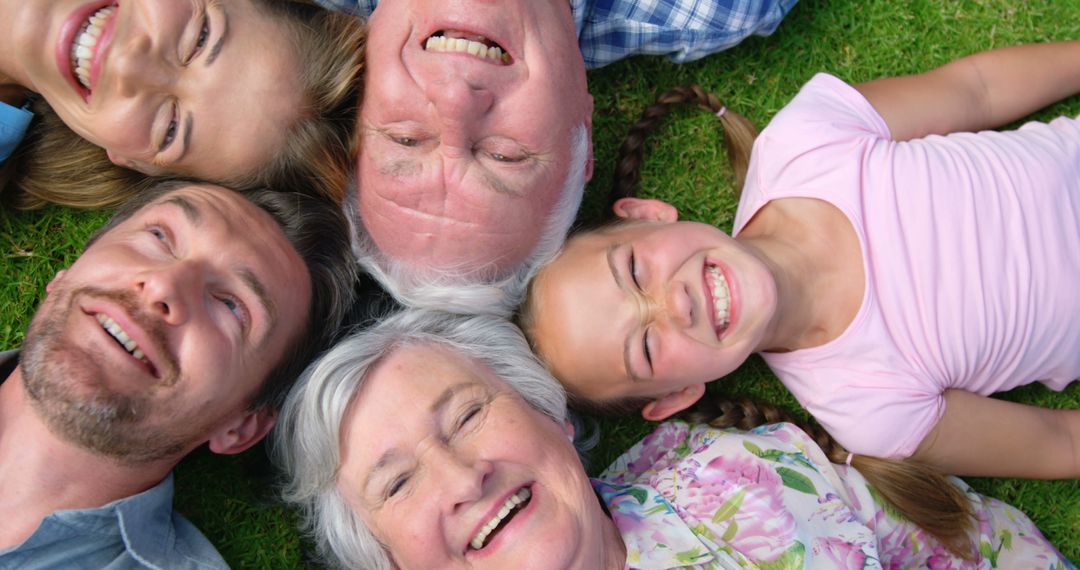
231 499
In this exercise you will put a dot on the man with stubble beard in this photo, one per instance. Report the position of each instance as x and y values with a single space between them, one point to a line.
184 321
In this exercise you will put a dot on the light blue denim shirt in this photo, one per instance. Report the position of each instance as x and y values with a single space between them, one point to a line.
13 123
140 531
683 30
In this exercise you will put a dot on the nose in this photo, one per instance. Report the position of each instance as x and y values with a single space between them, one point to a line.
675 305
458 101
462 479
135 67
169 292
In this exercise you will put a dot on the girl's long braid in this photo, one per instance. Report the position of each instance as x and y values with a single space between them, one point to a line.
739 135
920 493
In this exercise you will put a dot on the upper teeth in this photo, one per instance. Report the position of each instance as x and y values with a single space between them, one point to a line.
512 503
82 49
720 294
120 336
463 45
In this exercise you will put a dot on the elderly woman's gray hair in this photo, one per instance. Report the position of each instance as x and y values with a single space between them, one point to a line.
307 443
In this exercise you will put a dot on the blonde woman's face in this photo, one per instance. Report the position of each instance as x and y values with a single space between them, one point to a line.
204 88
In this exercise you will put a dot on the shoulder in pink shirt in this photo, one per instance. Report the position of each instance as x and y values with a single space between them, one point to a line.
971 250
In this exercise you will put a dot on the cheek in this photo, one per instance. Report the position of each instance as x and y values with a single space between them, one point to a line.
409 534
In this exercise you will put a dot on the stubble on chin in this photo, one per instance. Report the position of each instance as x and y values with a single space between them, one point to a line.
65 385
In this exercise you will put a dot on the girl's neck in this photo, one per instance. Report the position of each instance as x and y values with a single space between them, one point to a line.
816 261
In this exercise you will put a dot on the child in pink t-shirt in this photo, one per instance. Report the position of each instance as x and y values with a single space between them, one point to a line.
891 277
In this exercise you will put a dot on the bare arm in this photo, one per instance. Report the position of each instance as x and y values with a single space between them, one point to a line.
994 438
977 92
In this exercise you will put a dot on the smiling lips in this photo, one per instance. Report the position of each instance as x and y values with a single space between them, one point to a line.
85 43
451 41
123 339
513 505
721 297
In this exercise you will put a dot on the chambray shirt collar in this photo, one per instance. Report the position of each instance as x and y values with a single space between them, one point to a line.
656 537
137 519
13 124
140 519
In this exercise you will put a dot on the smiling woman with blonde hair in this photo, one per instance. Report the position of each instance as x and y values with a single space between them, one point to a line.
246 93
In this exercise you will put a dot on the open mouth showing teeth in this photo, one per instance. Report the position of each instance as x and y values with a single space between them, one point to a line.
450 41
122 338
83 47
721 297
511 507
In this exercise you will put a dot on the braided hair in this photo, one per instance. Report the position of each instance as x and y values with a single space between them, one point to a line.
739 135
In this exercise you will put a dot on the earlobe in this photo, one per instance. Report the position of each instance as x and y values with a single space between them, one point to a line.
672 403
243 433
568 429
645 210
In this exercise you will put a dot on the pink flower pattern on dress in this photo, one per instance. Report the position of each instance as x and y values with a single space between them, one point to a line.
698 497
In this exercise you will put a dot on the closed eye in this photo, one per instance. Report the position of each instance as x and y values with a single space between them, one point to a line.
498 157
397 485
471 413
645 348
633 270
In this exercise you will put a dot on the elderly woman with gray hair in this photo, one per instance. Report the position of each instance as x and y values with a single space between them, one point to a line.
434 441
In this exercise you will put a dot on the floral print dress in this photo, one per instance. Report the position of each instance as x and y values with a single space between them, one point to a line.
699 497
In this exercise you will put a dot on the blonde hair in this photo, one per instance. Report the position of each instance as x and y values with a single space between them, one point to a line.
54 165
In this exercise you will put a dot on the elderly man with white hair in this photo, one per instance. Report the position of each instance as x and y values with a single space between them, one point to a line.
476 126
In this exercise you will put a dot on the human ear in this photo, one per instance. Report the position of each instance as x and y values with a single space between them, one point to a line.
645 209
59 275
672 403
244 432
568 429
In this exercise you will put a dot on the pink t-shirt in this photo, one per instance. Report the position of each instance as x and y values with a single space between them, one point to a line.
971 249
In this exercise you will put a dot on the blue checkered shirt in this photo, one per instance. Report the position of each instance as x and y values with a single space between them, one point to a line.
683 30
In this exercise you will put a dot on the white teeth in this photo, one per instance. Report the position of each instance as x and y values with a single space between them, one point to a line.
118 333
82 49
511 504
463 45
721 295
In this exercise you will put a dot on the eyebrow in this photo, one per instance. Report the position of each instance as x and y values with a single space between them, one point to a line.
437 407
498 186
214 51
247 276
406 167
191 212
610 254
252 281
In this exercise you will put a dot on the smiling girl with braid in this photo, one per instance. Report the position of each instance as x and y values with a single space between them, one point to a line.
892 264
